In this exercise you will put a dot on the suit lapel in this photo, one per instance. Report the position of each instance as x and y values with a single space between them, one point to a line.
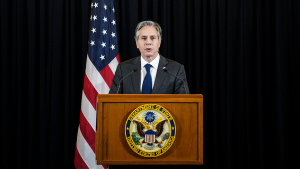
136 77
160 75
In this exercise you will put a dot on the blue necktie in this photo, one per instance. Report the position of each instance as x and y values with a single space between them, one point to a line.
147 84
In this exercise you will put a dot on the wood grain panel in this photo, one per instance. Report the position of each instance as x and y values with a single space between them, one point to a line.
113 111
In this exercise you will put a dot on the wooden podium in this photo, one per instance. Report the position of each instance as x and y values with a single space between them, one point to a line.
113 111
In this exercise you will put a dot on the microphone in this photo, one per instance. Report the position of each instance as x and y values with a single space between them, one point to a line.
118 87
184 84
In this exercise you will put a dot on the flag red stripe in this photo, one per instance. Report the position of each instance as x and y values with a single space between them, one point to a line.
107 75
90 91
87 131
118 58
78 162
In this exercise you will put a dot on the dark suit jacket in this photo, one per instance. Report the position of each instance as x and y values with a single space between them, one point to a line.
164 82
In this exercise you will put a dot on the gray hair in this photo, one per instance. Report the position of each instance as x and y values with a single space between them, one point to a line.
148 23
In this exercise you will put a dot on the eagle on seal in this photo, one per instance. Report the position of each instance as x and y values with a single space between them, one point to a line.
154 133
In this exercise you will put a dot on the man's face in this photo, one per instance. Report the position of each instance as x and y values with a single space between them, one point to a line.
148 42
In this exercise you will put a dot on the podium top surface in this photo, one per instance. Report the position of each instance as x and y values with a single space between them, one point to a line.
150 97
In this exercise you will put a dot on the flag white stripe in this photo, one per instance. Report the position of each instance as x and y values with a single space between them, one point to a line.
95 77
100 167
113 65
88 111
85 151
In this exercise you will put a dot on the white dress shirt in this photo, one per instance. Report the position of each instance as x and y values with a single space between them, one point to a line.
153 70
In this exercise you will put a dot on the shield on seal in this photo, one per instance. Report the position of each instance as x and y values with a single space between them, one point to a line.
150 136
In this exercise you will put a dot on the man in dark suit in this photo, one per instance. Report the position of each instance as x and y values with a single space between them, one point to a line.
147 71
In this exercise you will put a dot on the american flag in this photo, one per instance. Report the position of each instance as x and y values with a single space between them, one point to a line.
102 60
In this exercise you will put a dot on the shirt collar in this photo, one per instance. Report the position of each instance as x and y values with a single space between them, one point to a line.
154 62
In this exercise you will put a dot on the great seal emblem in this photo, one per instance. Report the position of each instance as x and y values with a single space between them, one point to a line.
150 130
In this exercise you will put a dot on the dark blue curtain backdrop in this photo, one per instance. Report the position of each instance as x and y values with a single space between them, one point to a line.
242 55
